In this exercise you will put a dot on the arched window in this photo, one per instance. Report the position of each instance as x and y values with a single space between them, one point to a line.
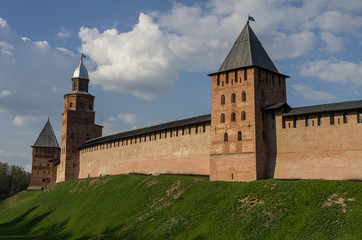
233 98
263 96
240 136
243 96
226 137
233 117
90 107
71 105
222 118
243 116
222 99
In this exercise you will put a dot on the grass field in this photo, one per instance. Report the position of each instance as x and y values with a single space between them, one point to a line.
183 207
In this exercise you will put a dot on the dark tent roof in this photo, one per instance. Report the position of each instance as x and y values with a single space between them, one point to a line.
324 108
46 137
247 51
276 106
162 126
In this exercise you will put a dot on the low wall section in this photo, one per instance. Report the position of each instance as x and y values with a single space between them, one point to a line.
320 150
186 152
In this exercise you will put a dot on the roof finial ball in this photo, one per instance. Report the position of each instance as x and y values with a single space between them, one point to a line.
250 18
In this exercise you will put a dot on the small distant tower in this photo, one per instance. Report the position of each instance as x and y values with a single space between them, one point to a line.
46 154
78 123
246 82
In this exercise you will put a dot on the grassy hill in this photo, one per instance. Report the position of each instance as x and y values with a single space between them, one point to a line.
181 207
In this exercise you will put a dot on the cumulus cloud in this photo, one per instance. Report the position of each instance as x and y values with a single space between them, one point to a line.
309 93
136 62
146 60
128 118
26 120
333 70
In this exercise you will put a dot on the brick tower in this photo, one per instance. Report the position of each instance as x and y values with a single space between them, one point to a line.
78 123
46 154
246 82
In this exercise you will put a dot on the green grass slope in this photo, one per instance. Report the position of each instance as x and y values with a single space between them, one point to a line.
181 207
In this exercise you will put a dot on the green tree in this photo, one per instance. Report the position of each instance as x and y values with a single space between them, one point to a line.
13 179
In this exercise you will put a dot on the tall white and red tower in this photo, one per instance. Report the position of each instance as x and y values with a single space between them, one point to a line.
78 123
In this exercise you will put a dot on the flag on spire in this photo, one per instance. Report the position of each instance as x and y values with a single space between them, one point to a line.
250 18
83 56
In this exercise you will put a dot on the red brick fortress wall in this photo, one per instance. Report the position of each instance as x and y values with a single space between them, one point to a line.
186 152
319 151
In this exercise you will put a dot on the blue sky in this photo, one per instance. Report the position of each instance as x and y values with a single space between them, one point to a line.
148 60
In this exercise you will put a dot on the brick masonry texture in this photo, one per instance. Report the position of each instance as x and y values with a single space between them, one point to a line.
179 154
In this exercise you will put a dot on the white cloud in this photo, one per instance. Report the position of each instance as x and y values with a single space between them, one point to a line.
146 60
334 43
25 39
333 70
6 93
128 118
33 67
28 167
291 45
64 33
338 22
42 44
109 128
3 23
67 51
309 93
138 61
10 154
353 5
112 119
26 120
6 48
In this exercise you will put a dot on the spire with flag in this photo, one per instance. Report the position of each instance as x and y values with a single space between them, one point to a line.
250 18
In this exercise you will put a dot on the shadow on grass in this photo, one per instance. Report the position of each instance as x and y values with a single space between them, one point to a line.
23 227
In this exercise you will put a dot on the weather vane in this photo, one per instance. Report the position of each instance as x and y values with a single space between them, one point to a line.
250 18
83 56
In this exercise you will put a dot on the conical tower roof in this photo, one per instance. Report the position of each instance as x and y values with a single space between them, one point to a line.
247 51
47 137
